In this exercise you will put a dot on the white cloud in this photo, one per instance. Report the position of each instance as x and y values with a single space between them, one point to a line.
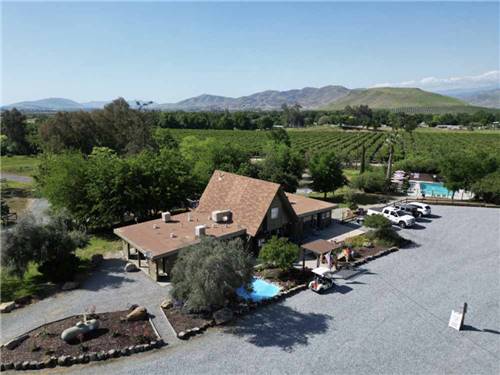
491 78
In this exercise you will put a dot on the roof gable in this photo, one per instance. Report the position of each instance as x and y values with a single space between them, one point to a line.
248 198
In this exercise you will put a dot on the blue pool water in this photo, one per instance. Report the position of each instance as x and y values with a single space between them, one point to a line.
261 290
434 189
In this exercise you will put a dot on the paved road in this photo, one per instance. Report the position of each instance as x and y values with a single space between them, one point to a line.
108 289
16 177
392 319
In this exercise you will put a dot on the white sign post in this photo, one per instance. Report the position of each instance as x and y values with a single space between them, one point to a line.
455 320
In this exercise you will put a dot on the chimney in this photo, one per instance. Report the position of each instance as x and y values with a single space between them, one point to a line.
200 230
165 216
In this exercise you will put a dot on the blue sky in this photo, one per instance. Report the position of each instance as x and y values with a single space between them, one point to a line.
170 51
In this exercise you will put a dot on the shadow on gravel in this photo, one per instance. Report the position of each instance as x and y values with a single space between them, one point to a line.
423 220
466 327
280 326
109 275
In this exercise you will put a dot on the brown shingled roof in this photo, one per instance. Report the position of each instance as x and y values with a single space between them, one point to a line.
247 198
304 206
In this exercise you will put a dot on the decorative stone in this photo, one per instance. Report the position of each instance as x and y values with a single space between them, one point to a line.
33 365
52 362
63 360
70 285
131 267
112 353
80 328
18 365
25 365
40 365
139 313
182 335
167 303
7 307
8 366
93 356
223 316
12 344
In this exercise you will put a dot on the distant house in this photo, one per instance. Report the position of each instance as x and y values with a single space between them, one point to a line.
231 206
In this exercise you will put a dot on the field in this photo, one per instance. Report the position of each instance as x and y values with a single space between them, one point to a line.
430 143
19 165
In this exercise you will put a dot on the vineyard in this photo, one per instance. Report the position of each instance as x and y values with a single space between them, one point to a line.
349 144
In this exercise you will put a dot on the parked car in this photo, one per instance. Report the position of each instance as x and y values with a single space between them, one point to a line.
408 208
425 209
394 215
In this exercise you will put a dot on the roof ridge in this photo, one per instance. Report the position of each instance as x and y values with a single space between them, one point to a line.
247 177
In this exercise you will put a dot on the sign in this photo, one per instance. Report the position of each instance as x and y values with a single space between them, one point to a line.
456 320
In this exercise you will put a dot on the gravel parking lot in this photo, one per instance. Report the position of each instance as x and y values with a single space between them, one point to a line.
391 319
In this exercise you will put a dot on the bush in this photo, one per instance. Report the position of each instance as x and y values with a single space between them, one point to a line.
371 182
488 188
206 275
279 252
418 164
377 222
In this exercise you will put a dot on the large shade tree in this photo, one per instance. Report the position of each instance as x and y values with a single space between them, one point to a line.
326 172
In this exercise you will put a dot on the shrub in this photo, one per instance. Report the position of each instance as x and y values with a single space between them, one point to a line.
279 252
418 164
206 275
371 182
377 222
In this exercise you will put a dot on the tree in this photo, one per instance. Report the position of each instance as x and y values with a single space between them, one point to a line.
292 116
163 139
51 245
392 139
205 276
265 122
383 233
461 170
280 135
13 125
370 182
282 165
488 188
279 252
326 172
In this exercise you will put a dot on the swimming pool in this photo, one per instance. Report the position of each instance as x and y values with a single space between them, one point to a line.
434 189
261 290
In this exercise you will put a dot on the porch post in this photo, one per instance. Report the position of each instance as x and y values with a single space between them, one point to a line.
139 256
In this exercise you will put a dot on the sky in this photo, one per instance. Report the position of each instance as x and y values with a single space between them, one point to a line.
167 52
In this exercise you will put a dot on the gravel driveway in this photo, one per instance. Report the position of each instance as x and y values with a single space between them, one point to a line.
391 319
108 289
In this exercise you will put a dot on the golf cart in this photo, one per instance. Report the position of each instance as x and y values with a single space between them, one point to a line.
323 280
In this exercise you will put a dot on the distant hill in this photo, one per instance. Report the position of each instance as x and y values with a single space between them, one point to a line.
411 100
395 98
308 98
484 98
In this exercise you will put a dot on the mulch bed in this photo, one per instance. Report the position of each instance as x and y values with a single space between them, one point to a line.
286 279
181 321
45 341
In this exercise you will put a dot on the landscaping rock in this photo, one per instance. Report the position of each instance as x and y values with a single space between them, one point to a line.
167 303
8 366
18 365
112 353
12 344
33 365
25 365
139 313
223 316
131 267
70 285
93 357
182 335
7 307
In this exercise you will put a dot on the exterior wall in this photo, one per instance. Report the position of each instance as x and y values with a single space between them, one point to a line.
282 219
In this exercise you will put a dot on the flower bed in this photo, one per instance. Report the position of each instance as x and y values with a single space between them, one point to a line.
43 346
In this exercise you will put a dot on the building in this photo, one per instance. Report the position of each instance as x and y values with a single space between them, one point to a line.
231 206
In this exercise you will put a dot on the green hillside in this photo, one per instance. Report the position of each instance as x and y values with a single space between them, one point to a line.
396 98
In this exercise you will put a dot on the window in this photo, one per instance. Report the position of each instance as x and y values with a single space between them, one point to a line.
275 212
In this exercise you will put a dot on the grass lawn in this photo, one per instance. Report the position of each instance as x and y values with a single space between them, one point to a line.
19 164
351 173
17 195
99 244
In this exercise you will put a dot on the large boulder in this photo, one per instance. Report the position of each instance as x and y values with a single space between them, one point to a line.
139 313
7 307
79 328
223 316
12 344
70 285
131 267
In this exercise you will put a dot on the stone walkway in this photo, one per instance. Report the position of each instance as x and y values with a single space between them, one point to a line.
108 289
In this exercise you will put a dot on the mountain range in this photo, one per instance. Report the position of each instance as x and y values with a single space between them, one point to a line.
327 97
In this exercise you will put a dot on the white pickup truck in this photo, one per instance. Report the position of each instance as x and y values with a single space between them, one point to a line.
396 216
